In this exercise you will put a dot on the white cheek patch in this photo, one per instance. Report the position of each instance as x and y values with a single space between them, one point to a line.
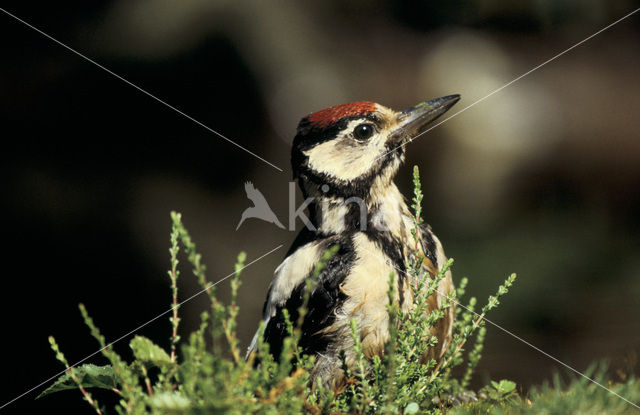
346 158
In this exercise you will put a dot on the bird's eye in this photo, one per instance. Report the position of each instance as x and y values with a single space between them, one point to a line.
363 131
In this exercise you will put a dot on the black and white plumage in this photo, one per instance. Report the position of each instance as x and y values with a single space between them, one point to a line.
345 158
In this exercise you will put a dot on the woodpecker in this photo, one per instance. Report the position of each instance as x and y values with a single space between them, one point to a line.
345 159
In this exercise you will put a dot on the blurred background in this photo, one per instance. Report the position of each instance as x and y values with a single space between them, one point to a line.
541 179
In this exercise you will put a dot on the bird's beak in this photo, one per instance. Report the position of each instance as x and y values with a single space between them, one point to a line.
413 120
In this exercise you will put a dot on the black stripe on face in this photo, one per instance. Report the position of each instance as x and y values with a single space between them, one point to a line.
323 302
311 181
309 136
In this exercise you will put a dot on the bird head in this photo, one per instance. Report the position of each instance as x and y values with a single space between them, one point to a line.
348 149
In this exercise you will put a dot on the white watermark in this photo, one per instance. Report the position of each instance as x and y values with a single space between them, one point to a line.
331 213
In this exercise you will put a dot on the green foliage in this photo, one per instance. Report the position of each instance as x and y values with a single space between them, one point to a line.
207 373
148 353
79 377
499 391
580 396
89 376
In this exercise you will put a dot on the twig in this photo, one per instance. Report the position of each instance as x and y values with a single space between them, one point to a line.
71 372
173 274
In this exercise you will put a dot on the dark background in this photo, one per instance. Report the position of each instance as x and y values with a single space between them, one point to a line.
541 179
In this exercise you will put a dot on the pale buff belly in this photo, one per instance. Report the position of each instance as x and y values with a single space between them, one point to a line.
366 288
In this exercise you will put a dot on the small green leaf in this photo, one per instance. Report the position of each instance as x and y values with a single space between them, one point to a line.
89 375
506 386
145 351
411 408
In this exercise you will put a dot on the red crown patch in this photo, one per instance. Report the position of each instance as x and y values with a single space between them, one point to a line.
330 115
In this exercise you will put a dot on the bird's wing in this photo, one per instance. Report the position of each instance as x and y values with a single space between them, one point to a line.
433 251
431 247
288 288
285 273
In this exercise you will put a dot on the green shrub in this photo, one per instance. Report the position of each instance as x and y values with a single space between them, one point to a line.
217 379
580 396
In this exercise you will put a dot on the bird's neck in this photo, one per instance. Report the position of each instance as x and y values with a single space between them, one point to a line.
381 210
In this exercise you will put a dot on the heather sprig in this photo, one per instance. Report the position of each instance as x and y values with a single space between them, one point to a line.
195 376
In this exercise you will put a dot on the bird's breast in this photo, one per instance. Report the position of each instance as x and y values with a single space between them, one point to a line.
366 288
